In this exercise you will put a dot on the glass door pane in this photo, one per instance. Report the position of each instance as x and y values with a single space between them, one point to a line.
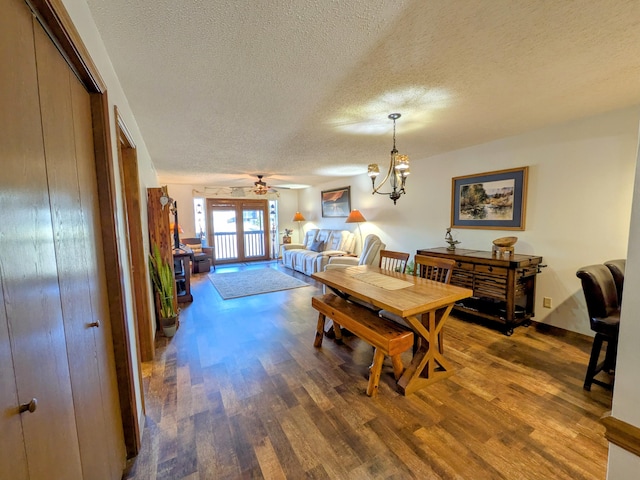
225 233
254 233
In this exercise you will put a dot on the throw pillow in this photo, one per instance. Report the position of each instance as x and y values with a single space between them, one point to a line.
197 248
317 246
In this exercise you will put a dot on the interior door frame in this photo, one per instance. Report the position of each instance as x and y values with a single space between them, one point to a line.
53 17
129 179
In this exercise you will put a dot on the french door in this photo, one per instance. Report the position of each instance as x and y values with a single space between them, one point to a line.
238 229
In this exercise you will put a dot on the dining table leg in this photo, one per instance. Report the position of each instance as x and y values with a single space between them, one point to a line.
428 364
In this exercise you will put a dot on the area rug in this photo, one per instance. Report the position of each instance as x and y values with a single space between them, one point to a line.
253 282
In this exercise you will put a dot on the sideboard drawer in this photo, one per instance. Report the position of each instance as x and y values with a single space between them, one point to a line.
465 266
500 271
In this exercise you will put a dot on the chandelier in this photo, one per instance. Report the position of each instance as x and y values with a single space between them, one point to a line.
398 170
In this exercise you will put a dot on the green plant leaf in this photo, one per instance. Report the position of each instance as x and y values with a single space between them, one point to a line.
163 282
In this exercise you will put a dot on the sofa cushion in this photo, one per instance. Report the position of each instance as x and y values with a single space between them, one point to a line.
335 240
309 237
323 235
342 240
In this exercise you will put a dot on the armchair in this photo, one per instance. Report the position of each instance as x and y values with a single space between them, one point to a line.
370 255
203 256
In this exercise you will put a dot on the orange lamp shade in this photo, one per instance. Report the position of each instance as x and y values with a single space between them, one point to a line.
298 217
355 217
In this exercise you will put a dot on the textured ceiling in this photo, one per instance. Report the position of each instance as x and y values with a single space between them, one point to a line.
300 90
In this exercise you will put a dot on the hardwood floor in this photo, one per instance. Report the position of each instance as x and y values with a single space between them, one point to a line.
240 392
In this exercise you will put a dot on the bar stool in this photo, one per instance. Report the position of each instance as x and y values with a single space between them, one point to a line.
601 295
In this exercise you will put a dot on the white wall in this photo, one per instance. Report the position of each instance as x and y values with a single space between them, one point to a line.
183 195
578 205
83 22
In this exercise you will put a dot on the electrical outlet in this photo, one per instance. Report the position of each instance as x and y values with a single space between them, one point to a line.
546 302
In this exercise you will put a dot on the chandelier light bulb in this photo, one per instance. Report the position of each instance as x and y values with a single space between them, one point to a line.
402 162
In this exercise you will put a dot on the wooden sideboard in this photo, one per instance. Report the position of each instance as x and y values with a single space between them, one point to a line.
504 286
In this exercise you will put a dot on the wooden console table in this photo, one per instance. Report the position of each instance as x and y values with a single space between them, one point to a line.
504 286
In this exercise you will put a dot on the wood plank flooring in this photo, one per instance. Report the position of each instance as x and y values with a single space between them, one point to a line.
240 392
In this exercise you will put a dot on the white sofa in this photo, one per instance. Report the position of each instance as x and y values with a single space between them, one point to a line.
319 246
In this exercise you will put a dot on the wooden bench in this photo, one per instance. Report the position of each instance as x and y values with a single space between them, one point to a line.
386 336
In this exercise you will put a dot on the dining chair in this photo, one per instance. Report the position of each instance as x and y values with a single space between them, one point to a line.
439 270
393 261
434 268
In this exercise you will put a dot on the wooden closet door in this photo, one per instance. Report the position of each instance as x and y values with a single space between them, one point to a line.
66 124
14 47
31 295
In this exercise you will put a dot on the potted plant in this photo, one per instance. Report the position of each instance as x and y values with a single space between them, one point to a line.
164 284
287 236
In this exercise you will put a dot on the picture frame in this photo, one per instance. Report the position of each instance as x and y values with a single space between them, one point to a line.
492 200
336 202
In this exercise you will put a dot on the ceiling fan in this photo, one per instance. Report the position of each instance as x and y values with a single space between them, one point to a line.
261 187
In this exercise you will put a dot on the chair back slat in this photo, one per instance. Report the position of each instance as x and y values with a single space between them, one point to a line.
434 268
393 261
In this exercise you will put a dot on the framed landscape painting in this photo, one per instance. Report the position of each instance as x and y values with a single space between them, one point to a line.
492 200
337 202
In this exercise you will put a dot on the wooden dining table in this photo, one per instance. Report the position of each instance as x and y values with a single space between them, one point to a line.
423 304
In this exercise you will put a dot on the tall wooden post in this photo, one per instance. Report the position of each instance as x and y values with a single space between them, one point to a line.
159 230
